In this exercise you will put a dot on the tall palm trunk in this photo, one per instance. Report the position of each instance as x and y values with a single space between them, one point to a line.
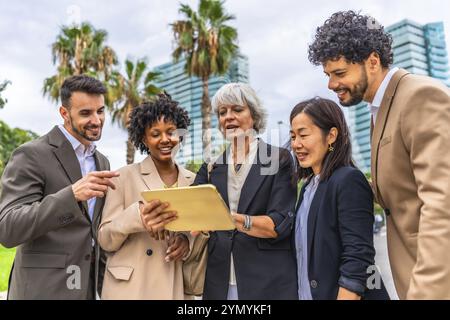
78 52
206 121
130 152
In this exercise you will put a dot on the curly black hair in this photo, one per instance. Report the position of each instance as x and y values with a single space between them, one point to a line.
150 112
353 36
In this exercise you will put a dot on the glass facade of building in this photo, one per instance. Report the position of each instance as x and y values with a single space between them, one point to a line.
420 49
188 92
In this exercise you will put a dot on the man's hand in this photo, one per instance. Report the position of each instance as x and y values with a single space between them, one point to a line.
154 217
94 184
178 247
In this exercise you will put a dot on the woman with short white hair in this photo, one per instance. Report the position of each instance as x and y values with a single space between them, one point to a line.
255 261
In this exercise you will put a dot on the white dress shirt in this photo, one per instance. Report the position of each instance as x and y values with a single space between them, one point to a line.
235 184
85 156
376 103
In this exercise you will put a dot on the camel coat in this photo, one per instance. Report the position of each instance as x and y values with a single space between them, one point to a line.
411 179
135 267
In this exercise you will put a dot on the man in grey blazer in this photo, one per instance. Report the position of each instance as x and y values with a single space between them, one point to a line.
53 195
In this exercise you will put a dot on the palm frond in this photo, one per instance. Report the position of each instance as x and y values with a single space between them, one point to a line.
141 66
186 10
129 68
151 77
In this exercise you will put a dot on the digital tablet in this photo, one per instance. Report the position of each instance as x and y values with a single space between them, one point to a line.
199 208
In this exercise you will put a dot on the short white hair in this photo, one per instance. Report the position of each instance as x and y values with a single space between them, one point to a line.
241 94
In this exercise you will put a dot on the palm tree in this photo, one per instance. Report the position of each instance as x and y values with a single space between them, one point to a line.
208 44
79 50
129 91
2 88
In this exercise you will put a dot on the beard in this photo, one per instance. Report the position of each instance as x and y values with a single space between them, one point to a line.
83 132
357 94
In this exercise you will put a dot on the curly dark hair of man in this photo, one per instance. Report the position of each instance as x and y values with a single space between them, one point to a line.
353 36
148 113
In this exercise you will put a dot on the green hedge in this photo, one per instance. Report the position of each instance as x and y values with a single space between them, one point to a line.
6 261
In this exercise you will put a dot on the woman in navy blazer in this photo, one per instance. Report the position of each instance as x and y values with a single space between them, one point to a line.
334 221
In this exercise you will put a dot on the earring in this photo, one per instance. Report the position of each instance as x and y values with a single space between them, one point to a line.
330 148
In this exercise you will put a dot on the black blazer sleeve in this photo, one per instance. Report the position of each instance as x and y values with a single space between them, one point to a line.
282 198
355 221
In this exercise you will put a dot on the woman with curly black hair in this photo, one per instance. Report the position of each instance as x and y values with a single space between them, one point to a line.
144 260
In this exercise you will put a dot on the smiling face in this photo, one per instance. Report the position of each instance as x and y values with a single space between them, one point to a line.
235 120
161 139
348 80
309 142
85 116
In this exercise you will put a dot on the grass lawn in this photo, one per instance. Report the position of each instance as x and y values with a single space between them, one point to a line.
6 260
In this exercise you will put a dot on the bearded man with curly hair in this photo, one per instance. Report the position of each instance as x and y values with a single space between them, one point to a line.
410 115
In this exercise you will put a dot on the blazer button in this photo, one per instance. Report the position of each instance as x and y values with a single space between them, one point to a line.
313 284
87 257
149 252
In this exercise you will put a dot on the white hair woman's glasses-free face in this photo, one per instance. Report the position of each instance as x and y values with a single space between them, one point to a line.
241 94
235 120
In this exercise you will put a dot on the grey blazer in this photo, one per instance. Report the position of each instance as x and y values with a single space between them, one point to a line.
51 230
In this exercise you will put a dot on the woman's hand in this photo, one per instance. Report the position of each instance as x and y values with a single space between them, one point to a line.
238 220
261 226
345 294
178 247
154 217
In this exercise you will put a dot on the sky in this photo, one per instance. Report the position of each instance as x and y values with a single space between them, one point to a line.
274 35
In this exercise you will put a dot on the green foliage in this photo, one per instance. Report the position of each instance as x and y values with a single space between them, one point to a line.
193 165
208 44
6 261
205 39
2 88
10 139
79 50
125 92
129 90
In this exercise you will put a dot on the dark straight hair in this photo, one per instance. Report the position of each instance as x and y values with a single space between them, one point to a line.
326 114
80 83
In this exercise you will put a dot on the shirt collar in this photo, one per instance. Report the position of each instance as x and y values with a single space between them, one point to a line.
376 103
314 181
77 145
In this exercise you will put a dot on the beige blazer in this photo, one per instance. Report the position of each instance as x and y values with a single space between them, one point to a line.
411 179
135 267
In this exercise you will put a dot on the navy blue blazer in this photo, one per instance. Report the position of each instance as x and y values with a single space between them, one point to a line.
265 268
340 237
